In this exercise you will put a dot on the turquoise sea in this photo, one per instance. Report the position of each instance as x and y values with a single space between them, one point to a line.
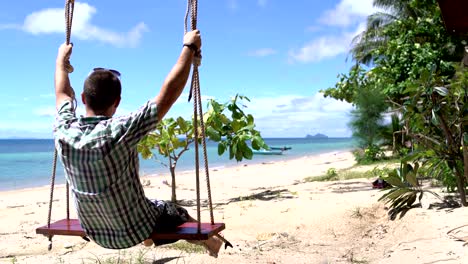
27 163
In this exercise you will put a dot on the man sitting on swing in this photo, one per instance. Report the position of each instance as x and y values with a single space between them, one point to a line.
100 157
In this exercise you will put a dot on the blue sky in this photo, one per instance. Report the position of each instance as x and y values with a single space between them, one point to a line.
278 53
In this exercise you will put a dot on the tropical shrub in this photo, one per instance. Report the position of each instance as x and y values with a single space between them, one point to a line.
415 63
404 190
368 155
227 124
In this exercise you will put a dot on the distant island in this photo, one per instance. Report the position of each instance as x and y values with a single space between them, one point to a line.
318 135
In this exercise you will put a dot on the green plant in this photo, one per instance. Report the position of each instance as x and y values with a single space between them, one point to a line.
380 172
187 247
368 155
405 189
415 63
367 117
322 178
331 172
227 124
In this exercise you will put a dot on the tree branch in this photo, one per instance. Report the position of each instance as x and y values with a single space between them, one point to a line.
427 138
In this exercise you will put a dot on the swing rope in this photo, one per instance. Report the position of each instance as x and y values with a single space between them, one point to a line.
69 9
192 10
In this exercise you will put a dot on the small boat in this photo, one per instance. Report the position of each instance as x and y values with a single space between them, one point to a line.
268 152
281 148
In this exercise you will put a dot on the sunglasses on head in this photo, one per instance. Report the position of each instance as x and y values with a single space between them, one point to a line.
114 72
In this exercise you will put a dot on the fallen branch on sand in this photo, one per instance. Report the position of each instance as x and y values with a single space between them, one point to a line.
451 235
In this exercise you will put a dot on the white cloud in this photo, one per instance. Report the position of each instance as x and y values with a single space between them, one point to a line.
321 48
48 111
350 15
348 12
325 47
51 20
262 52
296 116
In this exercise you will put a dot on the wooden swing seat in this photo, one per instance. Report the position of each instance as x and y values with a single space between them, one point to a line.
187 231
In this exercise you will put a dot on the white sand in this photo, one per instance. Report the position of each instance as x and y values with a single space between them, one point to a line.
292 222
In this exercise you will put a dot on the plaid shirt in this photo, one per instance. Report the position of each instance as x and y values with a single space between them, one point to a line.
101 164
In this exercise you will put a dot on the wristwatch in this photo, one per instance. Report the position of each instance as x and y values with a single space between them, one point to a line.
192 46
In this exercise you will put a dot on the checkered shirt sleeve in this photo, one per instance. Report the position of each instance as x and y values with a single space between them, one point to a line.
136 125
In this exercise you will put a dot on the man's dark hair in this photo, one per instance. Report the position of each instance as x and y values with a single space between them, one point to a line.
101 90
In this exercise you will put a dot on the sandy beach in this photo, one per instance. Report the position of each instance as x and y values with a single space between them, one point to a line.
272 216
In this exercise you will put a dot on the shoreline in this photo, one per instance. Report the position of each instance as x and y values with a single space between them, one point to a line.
231 165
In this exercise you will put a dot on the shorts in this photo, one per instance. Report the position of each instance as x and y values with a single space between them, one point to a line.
171 216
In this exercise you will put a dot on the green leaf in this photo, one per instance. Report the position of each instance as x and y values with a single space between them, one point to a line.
213 134
255 144
250 119
434 118
217 124
182 124
394 180
221 148
394 194
236 126
411 178
234 147
236 115
441 90
247 128
239 155
413 156
224 119
146 153
215 105
247 152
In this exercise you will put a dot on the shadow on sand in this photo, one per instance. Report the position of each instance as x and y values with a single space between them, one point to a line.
345 187
266 195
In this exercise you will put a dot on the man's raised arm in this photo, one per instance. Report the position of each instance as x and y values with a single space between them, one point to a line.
177 78
63 89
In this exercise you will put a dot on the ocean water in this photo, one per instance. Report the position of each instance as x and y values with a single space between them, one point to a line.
27 163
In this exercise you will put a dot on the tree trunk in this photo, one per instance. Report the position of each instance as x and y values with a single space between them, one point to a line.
173 185
460 185
464 127
465 153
